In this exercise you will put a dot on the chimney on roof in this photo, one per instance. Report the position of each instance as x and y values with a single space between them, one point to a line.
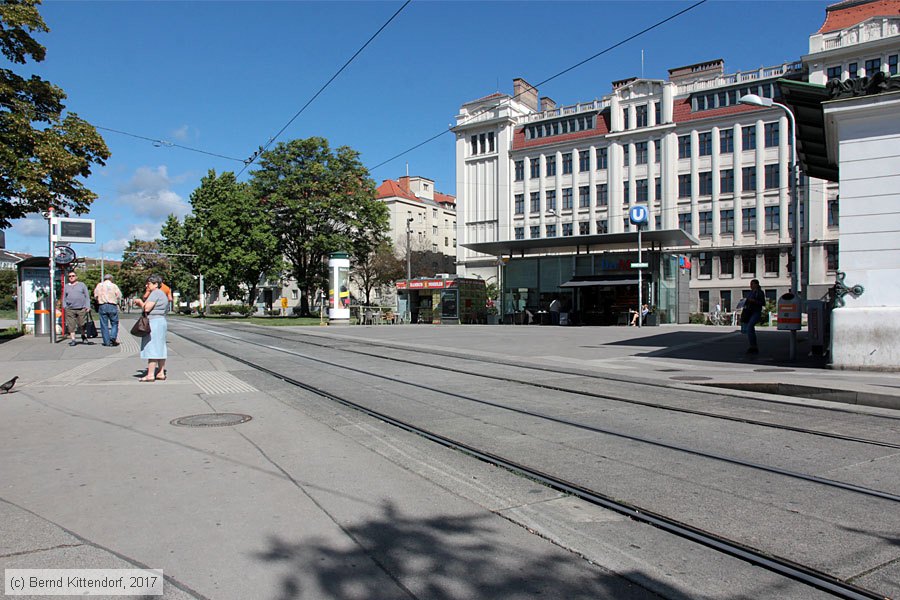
547 103
525 93
404 183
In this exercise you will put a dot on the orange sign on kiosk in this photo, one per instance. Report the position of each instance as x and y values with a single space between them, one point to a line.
789 314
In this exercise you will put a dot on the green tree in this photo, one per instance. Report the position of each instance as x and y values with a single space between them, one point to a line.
175 243
237 248
320 201
140 260
43 154
379 268
7 289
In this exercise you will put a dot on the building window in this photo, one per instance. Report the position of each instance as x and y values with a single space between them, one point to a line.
625 118
567 199
773 179
491 141
602 226
584 228
584 161
771 133
640 153
602 158
626 190
892 63
684 221
567 163
748 137
748 179
551 166
641 117
726 141
748 263
748 220
726 265
703 297
602 194
704 265
706 222
833 213
520 170
550 199
658 188
482 145
873 66
726 181
551 230
535 231
835 72
474 145
447 240
657 222
567 229
853 70
831 257
657 151
705 183
626 224
625 155
684 186
791 217
773 218
520 204
684 146
726 221
643 194
295 294
520 234
535 168
770 258
657 108
704 143
584 196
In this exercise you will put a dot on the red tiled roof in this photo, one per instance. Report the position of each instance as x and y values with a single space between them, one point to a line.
392 189
681 111
852 12
488 97
601 127
444 198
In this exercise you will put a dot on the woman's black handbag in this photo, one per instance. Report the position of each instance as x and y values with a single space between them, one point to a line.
141 327
90 328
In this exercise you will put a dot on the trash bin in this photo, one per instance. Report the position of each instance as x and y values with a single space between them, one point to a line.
43 318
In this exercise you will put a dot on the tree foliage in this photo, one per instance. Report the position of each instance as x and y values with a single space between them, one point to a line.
379 268
140 260
43 154
320 201
232 235
8 282
183 270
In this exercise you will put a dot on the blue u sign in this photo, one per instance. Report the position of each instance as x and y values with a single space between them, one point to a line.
638 215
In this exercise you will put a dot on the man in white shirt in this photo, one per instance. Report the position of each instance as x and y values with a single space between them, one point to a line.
108 296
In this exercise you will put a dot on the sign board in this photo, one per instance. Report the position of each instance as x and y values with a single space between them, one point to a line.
65 229
638 214
640 265
789 317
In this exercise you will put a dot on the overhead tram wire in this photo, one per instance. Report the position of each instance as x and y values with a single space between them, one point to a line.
549 79
265 147
168 144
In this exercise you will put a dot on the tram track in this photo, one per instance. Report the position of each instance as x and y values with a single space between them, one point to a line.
568 390
805 574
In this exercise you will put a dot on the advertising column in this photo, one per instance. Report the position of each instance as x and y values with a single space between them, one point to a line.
339 289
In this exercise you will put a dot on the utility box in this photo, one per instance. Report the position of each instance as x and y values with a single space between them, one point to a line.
789 315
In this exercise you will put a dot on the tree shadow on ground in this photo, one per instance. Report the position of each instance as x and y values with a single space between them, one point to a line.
397 556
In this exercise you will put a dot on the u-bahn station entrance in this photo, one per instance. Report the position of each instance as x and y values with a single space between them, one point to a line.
594 278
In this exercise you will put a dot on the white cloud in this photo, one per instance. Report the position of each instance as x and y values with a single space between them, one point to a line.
149 194
114 246
31 227
182 134
145 231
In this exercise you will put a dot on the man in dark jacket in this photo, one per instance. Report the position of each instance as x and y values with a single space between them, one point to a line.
753 305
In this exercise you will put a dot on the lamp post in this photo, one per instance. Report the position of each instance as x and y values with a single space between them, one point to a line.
754 100
409 221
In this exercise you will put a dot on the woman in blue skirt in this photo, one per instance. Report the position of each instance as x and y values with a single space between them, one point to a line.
153 345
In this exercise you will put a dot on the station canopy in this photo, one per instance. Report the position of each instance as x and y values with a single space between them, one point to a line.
661 239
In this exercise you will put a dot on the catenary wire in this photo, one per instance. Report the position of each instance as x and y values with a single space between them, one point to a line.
551 78
167 143
263 148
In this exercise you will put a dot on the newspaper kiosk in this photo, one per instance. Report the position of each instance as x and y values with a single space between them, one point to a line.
445 299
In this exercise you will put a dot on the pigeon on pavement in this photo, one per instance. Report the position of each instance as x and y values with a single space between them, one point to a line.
5 387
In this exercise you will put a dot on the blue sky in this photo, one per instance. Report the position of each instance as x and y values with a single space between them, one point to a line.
223 77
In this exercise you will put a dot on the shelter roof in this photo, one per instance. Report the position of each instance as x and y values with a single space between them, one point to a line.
663 238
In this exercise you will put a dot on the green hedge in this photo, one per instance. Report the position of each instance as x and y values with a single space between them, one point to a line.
226 309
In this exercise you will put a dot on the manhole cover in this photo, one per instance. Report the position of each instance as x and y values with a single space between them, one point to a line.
690 378
774 370
211 420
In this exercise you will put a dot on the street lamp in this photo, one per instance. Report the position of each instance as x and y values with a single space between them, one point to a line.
409 221
754 100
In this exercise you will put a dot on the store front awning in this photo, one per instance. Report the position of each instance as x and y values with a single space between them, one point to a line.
597 282
658 239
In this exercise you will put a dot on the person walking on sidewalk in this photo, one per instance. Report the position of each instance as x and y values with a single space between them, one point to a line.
750 316
77 303
108 296
153 345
